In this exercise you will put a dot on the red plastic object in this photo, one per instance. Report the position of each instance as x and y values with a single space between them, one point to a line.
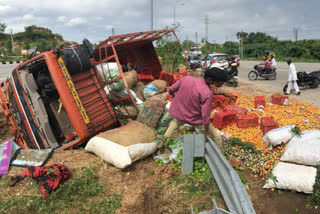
246 121
70 137
145 78
166 76
233 102
238 109
183 71
177 77
224 118
221 98
259 100
278 99
218 106
267 124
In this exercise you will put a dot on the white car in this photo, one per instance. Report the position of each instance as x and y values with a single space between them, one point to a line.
219 60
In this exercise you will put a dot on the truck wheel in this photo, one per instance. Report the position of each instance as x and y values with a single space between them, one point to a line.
252 75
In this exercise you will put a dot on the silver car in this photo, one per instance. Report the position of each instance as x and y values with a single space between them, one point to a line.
219 60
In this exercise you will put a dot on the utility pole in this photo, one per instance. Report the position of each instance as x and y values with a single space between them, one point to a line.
12 41
196 38
296 33
215 47
206 26
151 14
113 31
187 42
241 47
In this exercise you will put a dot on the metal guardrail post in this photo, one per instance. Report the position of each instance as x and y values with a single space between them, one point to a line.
193 146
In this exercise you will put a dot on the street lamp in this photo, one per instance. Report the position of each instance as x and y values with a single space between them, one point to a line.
174 13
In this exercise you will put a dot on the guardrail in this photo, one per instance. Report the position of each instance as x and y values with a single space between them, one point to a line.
230 185
10 62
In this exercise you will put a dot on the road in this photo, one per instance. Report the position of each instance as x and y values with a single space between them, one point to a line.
309 95
5 70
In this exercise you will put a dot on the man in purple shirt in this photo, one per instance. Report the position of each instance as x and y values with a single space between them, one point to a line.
193 99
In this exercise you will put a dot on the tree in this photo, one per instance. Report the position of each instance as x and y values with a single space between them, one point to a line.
3 27
187 44
9 45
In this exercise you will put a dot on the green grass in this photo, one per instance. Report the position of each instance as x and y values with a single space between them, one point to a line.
82 194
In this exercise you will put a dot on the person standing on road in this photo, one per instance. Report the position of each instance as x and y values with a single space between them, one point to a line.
192 100
292 79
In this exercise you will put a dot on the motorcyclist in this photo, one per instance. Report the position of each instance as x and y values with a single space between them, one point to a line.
267 65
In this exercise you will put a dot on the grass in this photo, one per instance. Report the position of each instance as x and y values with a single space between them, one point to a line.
194 187
82 194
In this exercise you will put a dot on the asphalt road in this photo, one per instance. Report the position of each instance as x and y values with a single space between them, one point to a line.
5 70
309 95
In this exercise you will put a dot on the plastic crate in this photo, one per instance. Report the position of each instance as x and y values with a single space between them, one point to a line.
267 124
183 72
166 76
238 109
246 121
145 78
177 77
224 118
218 106
231 102
259 100
225 100
278 99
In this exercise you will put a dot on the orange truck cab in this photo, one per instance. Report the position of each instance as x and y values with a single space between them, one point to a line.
60 98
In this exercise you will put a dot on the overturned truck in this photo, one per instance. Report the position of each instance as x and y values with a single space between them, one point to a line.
60 98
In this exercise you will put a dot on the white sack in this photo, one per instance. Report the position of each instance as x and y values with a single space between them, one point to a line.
304 149
278 136
293 177
118 155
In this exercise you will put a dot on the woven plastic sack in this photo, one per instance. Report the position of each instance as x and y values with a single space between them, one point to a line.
150 90
278 136
304 149
293 177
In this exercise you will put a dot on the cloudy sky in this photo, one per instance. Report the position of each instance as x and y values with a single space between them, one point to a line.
94 19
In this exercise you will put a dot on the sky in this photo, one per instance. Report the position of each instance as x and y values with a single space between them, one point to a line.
94 19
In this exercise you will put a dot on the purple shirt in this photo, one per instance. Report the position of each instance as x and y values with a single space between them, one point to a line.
192 101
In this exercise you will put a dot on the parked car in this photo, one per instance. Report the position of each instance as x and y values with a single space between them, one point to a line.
237 59
219 60
194 59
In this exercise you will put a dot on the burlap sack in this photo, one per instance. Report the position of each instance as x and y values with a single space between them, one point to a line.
130 134
128 110
131 78
138 89
160 84
152 110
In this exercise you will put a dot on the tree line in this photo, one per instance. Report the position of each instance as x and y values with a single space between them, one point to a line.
255 44
33 36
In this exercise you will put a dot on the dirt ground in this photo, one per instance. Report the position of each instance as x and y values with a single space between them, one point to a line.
142 192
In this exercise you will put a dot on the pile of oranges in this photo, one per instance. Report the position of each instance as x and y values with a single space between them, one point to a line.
303 115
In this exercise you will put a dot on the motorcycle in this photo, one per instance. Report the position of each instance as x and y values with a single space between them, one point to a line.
306 80
260 71
233 73
195 65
